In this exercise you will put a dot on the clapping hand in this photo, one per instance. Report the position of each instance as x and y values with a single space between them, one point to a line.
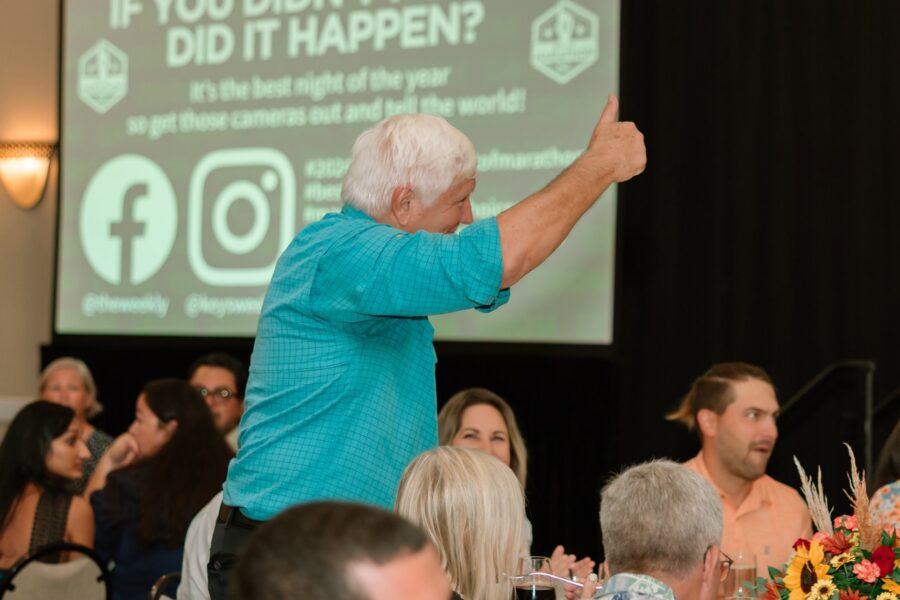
565 565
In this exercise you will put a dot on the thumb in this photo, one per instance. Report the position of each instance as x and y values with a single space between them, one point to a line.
609 111
590 587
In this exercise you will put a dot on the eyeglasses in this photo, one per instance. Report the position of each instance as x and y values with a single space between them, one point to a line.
218 395
725 563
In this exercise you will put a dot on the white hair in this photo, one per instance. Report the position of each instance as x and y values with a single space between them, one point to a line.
422 151
87 380
472 507
659 516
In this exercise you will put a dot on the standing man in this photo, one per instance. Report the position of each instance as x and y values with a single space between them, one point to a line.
733 407
342 394
221 379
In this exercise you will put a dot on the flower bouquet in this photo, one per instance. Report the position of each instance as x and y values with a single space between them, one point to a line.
849 558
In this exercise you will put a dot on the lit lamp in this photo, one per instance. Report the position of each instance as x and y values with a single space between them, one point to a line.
24 169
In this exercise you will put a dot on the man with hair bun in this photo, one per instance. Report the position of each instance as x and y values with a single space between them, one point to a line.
733 408
341 394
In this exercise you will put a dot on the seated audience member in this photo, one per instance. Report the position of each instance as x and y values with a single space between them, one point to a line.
194 577
222 381
733 407
478 418
68 381
41 455
886 482
662 524
339 551
152 481
471 506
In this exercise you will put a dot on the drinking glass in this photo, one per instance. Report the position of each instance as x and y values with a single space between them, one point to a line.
741 581
532 579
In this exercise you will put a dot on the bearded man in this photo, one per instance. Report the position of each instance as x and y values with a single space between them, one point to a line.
733 407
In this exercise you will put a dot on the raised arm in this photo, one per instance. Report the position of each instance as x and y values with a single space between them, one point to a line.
121 453
532 229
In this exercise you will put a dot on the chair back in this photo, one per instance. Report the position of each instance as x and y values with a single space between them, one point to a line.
165 583
84 577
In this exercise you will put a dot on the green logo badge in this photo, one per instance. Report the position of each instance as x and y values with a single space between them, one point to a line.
564 41
102 76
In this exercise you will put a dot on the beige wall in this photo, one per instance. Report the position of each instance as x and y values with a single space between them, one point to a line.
29 38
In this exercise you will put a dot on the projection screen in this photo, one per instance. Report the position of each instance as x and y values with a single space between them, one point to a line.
198 137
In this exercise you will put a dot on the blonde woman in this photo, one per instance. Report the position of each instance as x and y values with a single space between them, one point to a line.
470 505
69 382
480 419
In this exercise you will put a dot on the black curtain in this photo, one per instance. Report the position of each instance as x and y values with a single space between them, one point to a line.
764 227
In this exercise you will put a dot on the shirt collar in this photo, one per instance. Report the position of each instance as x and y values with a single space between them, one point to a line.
638 585
354 213
756 498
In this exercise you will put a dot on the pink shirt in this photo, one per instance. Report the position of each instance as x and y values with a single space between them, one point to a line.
768 521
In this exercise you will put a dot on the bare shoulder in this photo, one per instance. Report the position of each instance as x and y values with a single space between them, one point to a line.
80 523
80 508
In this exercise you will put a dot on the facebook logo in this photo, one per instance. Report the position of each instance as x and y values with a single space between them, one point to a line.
128 220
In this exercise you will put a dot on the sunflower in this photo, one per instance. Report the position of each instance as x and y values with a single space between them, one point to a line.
821 590
806 569
840 560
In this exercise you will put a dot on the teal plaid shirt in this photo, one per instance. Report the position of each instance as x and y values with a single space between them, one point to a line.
341 393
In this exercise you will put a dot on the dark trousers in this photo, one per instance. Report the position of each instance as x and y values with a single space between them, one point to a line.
231 534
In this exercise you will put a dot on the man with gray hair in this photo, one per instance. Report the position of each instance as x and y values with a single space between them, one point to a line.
341 393
662 524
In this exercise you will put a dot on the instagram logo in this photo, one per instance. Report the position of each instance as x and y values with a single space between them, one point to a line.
128 219
241 215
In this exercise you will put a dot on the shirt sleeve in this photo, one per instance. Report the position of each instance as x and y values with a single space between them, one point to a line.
387 272
106 530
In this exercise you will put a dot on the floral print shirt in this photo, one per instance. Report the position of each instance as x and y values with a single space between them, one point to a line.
886 504
632 586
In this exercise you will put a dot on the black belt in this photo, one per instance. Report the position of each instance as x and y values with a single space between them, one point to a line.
232 515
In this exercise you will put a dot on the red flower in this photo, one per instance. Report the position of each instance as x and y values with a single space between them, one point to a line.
772 592
836 544
852 595
884 558
801 542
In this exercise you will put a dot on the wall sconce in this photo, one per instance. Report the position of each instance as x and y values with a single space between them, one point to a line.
24 170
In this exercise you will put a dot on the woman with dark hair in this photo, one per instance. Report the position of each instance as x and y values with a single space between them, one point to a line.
41 455
154 478
886 482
